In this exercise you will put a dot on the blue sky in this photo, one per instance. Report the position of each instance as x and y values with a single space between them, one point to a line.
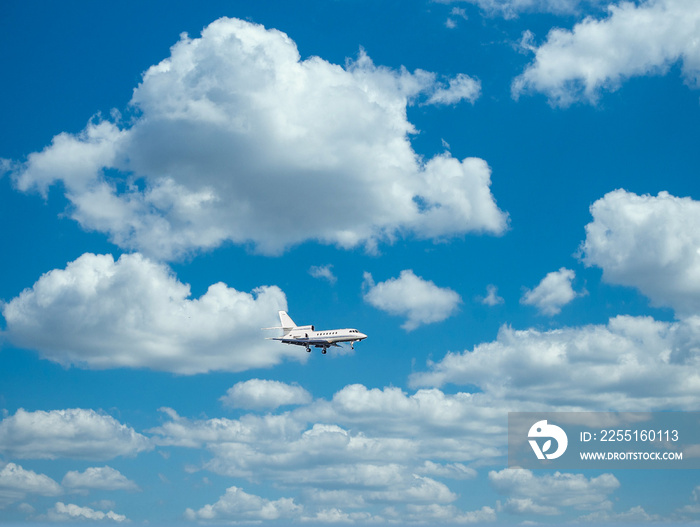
501 193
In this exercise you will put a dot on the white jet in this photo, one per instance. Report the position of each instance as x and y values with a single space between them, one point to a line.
308 336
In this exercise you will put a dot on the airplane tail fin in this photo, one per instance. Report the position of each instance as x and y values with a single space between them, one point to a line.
287 322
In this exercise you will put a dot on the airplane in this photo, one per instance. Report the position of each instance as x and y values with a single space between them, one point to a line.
308 336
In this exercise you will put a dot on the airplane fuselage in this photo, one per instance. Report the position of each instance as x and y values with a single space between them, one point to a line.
303 334
308 337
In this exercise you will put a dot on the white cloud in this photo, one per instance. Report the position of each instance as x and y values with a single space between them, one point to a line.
365 449
390 412
455 13
230 129
104 504
449 514
650 243
6 165
260 394
335 515
381 423
462 87
634 515
322 456
98 313
695 495
385 455
73 433
693 509
237 505
492 298
16 483
26 509
450 470
635 39
179 431
62 512
74 159
552 293
549 493
102 478
421 301
512 8
324 272
630 364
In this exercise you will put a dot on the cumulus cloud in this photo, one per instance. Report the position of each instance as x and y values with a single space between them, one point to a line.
649 243
233 125
16 483
102 478
183 432
462 87
97 313
258 394
635 39
62 512
552 293
549 493
385 419
73 433
237 505
385 455
393 413
363 449
419 300
324 272
630 364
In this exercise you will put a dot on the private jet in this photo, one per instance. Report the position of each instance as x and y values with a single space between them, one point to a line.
307 336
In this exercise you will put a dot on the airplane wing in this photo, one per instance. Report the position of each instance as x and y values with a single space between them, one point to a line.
304 341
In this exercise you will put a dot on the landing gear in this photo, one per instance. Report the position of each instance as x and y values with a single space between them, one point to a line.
308 349
324 350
